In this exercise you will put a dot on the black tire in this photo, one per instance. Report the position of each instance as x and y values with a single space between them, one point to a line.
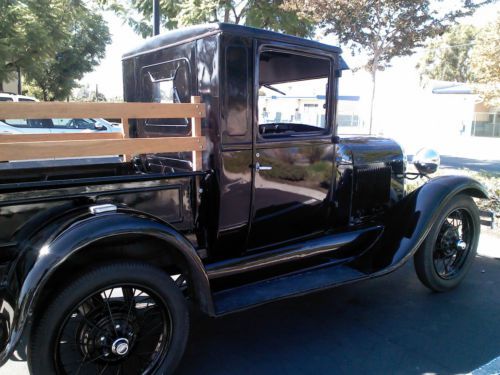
121 315
445 256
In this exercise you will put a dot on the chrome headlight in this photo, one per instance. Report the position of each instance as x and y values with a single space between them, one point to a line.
426 161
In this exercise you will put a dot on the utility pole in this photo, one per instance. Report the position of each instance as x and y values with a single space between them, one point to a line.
156 17
19 85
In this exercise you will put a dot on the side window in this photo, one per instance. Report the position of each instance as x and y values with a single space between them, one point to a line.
236 88
24 123
292 97
168 82
18 122
74 123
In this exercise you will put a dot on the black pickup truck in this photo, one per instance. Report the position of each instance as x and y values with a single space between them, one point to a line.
101 263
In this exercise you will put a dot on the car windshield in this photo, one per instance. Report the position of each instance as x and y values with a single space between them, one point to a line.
292 93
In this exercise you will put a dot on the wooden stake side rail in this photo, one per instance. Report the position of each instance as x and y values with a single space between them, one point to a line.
64 145
98 147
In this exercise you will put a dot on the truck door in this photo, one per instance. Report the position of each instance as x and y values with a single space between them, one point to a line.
293 151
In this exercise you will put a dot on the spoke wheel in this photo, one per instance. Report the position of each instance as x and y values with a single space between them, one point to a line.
124 318
120 326
447 253
453 244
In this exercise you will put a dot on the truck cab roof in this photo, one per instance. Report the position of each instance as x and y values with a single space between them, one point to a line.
180 36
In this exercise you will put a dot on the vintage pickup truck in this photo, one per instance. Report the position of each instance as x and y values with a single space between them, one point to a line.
101 263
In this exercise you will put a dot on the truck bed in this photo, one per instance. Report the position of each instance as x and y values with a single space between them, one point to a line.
30 196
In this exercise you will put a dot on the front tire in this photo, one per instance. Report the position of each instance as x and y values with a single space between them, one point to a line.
445 256
126 318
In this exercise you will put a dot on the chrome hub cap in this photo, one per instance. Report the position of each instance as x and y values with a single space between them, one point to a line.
120 347
461 245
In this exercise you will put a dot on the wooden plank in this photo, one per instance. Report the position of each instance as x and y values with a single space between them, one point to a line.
6 138
126 129
48 110
98 147
196 132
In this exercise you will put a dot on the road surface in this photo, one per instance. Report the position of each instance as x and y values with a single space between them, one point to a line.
391 325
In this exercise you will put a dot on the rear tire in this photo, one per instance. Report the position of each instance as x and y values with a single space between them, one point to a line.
445 256
126 317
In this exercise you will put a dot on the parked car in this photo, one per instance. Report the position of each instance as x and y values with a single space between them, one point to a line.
10 97
52 126
99 263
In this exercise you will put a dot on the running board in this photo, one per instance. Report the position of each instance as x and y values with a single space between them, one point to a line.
345 244
297 284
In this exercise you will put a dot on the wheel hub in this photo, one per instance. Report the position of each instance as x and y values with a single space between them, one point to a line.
120 346
450 241
461 245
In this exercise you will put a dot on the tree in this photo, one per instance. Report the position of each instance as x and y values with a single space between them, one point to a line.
485 62
448 57
383 29
53 77
29 31
53 42
267 14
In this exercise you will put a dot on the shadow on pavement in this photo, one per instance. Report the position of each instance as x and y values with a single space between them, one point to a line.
490 166
389 325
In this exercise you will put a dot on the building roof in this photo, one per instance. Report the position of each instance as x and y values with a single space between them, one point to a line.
179 36
453 88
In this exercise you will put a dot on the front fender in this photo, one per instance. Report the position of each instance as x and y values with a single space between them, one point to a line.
48 251
410 220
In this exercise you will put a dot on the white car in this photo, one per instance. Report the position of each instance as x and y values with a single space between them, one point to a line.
8 97
51 126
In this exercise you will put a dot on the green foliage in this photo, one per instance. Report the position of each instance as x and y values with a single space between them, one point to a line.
55 76
486 62
29 31
467 54
383 29
267 14
53 42
448 57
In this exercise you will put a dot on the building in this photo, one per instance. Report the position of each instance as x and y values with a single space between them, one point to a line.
476 119
11 86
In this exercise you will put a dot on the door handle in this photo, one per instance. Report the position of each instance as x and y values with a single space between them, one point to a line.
259 167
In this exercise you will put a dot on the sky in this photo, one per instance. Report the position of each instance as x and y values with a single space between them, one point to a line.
398 87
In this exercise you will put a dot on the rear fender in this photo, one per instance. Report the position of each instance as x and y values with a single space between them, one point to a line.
49 250
410 220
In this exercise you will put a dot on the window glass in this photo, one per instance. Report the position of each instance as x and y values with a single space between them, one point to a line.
292 94
74 123
30 123
168 82
237 91
4 99
17 122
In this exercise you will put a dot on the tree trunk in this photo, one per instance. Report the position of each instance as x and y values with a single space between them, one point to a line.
1 85
372 99
227 12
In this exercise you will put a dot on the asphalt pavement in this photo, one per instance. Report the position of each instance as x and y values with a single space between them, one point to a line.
476 165
390 325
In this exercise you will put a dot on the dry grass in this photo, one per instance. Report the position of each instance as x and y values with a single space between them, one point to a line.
490 180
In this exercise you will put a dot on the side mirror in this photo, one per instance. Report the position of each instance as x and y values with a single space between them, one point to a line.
426 161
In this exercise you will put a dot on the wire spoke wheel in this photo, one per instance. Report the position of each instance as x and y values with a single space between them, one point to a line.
453 243
447 253
121 318
124 326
